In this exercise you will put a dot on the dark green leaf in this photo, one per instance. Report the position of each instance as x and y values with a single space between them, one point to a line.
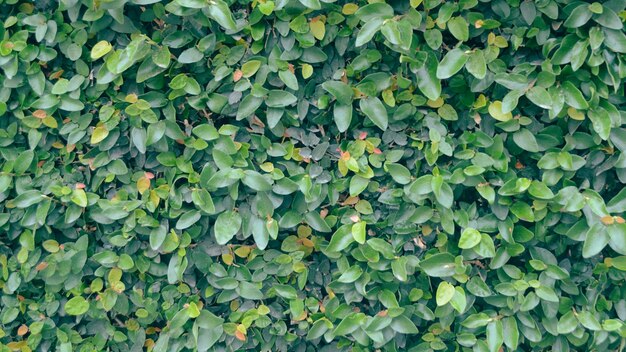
341 91
439 265
578 17
374 109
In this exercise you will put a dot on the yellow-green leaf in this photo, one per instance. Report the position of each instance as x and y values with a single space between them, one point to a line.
495 110
250 68
99 133
100 49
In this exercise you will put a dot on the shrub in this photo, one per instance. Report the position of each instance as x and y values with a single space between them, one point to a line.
297 175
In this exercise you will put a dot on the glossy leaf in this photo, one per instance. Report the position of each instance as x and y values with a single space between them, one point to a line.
374 109
451 63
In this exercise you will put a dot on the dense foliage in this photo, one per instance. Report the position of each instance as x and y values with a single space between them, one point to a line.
297 175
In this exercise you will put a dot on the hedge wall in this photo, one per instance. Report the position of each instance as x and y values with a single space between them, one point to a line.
306 175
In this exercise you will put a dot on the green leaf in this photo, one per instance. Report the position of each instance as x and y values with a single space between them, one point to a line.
469 238
193 4
382 247
399 173
100 49
373 11
486 247
579 54
248 105
76 306
319 328
510 332
79 197
256 181
476 64
187 219
249 68
476 320
349 324
439 265
206 132
398 268
23 161
341 239
341 91
459 300
540 97
596 8
617 204
487 192
261 231
226 226
433 38
189 56
459 28
451 63
529 11
267 8
312 4
342 114
514 186
27 198
601 122
526 140
427 80
443 192
596 239
249 291
578 17
374 109
314 219
203 200
496 111
162 57
289 79
612 324
218 10
391 32
495 335
350 275
359 232
307 71
573 96
617 238
286 291
367 32
445 292
589 321
567 323
540 190
403 325
615 39
280 99
523 211
609 19
509 102
99 134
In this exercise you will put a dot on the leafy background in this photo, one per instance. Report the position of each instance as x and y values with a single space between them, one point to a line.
305 175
